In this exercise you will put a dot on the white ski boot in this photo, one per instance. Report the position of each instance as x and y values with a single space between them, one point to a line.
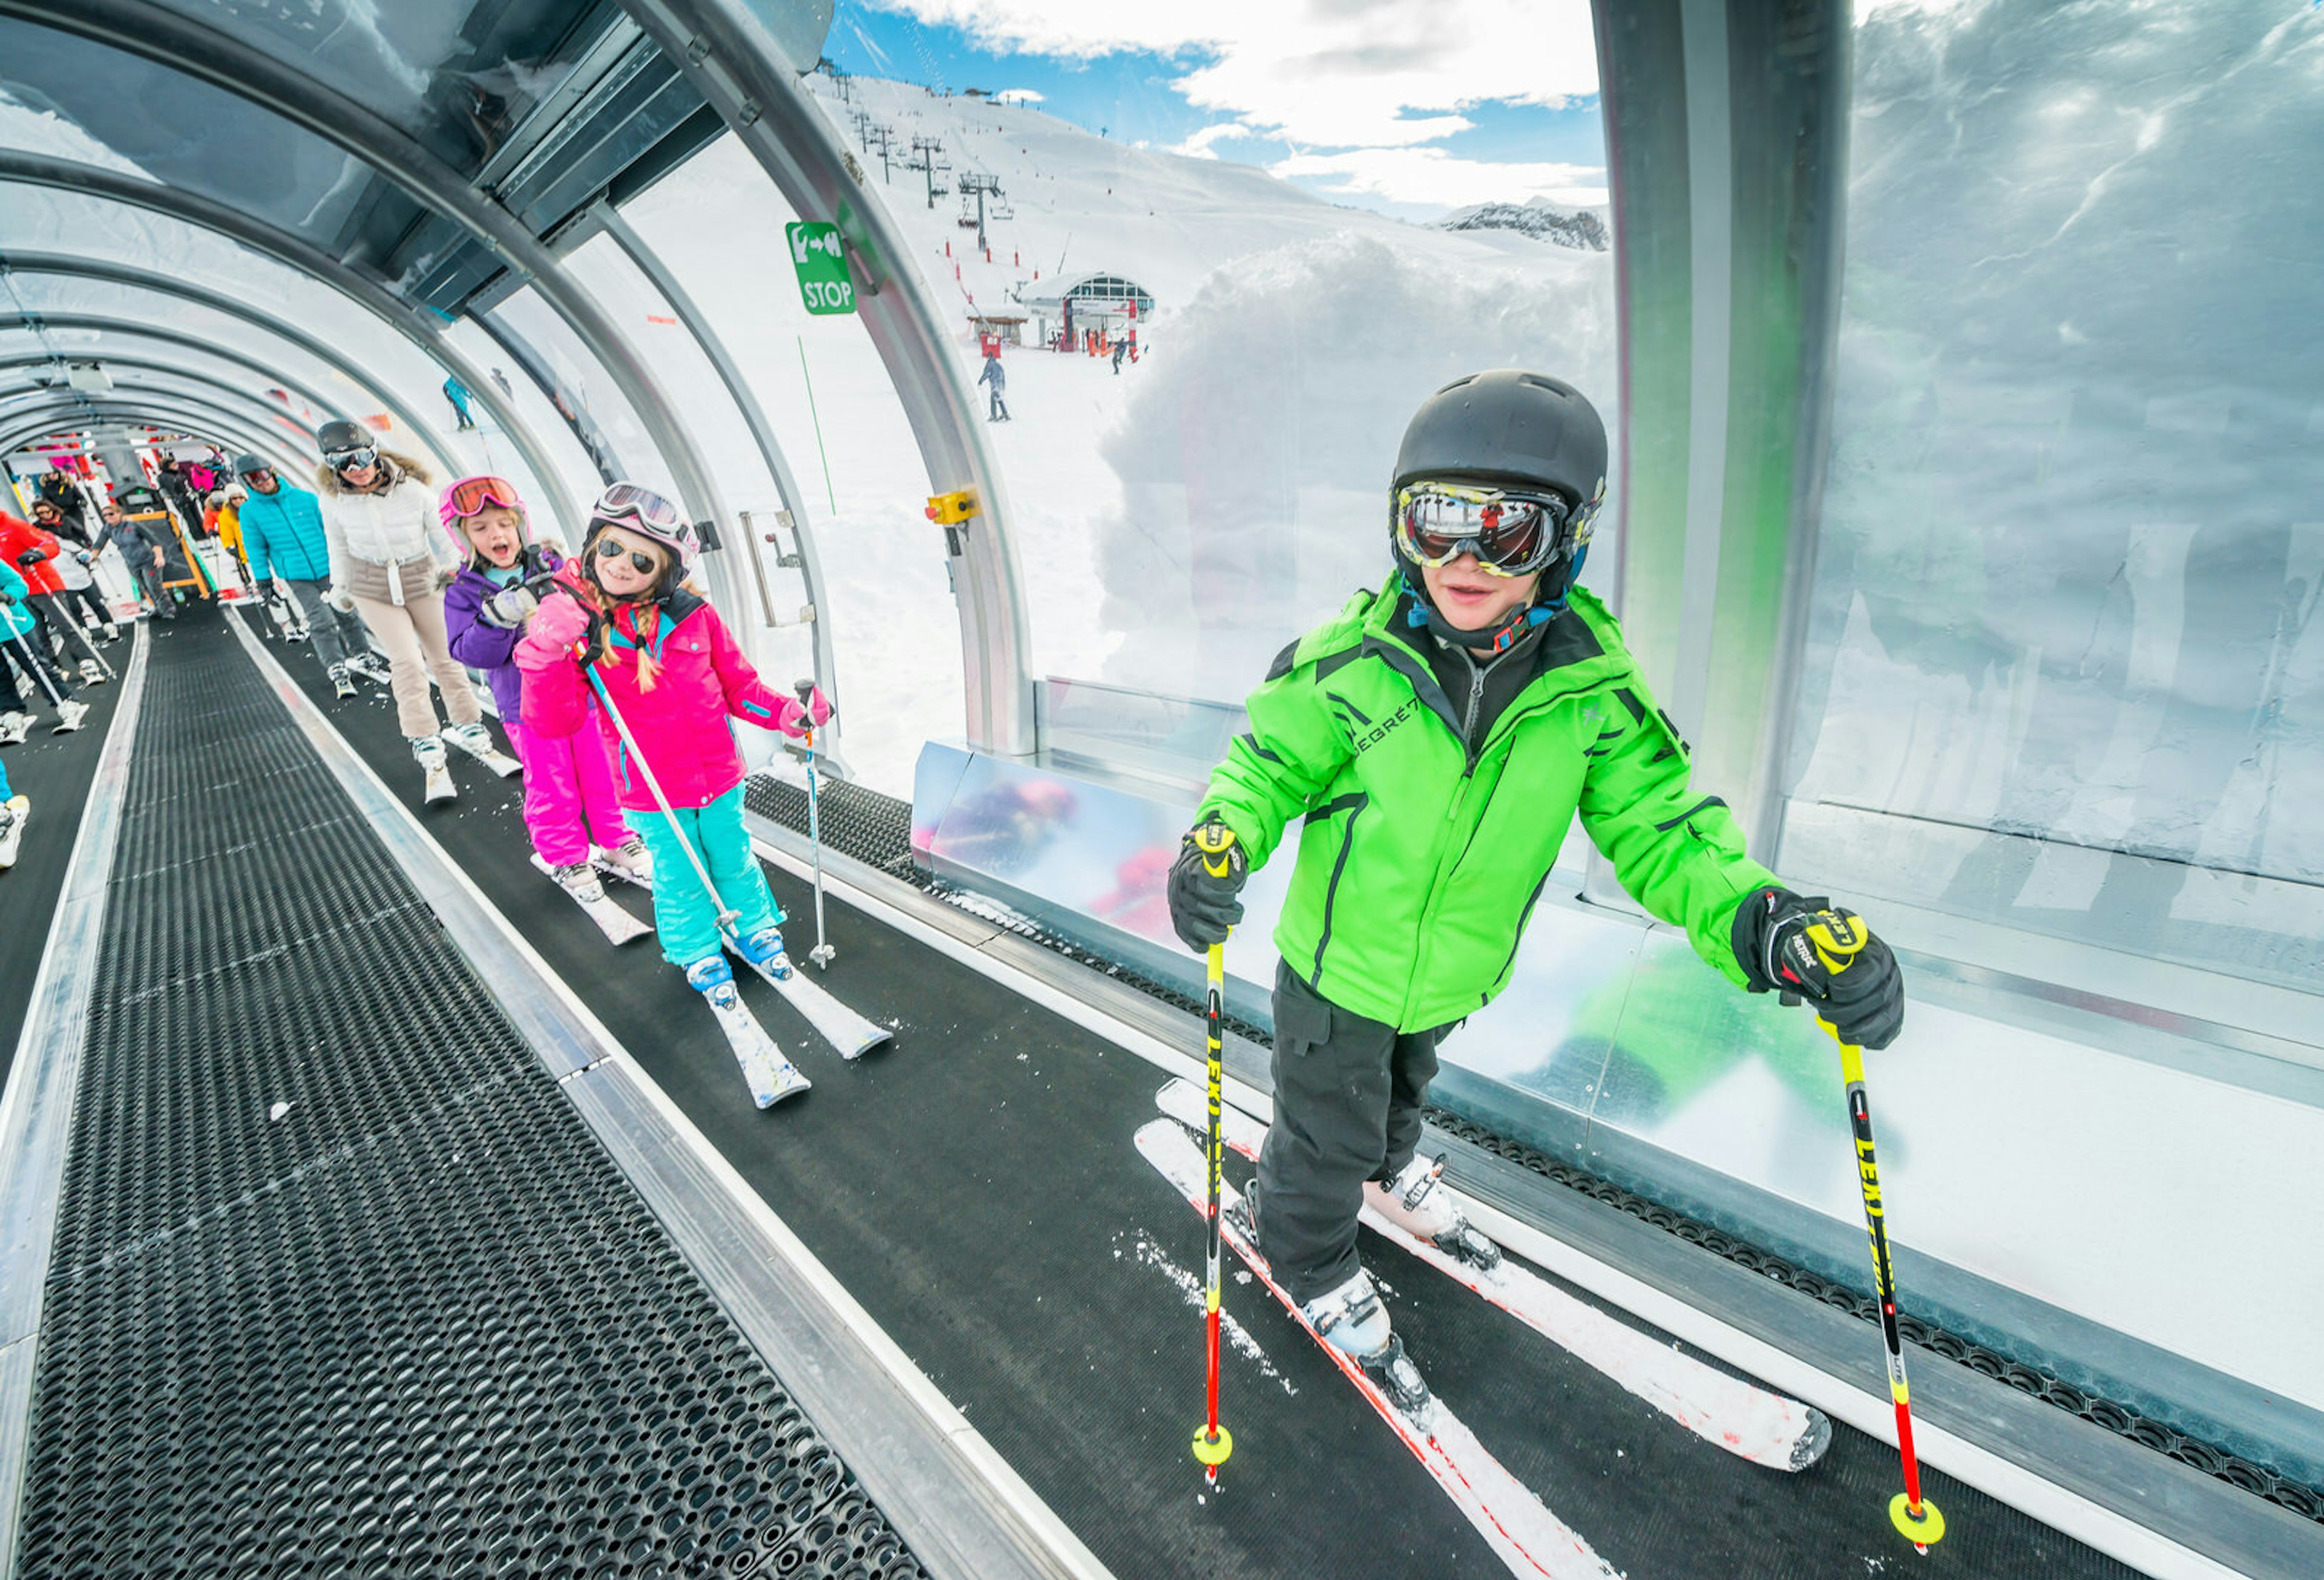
1416 1202
427 751
13 813
371 666
476 740
340 684
69 717
630 860
1351 1320
90 674
13 727
771 1076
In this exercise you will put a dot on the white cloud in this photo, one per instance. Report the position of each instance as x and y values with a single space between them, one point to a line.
1432 175
1017 95
1331 73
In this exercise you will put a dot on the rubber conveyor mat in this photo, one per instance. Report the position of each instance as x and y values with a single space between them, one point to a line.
976 1188
341 1284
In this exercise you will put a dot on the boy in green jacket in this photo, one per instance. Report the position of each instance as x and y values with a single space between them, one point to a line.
1435 740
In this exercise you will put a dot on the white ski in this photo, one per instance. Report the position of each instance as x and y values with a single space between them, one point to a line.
69 715
16 811
439 784
771 1076
1749 1422
492 756
837 1024
1530 1539
618 925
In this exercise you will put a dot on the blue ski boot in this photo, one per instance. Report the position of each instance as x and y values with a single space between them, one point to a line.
764 950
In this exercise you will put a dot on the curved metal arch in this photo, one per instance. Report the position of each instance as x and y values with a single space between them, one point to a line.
105 324
729 55
257 402
197 49
73 266
178 407
34 423
424 332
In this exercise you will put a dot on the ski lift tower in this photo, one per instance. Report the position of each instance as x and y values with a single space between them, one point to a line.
925 161
978 184
885 136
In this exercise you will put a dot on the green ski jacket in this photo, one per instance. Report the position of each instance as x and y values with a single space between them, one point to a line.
1419 866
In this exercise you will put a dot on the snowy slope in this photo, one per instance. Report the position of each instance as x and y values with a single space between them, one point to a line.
1177 523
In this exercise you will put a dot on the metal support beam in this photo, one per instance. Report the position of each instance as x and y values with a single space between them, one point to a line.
177 406
235 392
763 433
727 52
37 421
1727 140
194 46
330 405
423 331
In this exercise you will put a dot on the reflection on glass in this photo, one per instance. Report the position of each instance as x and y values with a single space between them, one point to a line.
2064 669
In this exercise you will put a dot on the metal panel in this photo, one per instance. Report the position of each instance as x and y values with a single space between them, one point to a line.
731 55
235 391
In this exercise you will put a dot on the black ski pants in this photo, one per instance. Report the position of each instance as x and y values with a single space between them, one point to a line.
1348 1098
30 652
87 601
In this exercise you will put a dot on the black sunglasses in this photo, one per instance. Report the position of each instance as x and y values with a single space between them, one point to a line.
646 563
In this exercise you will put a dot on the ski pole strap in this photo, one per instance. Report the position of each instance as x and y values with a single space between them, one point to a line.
1217 842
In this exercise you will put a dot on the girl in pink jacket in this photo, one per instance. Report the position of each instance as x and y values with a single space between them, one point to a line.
624 617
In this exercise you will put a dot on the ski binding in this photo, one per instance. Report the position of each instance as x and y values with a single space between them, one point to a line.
492 756
771 1076
618 925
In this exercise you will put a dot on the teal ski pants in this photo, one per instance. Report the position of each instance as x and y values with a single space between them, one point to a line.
685 918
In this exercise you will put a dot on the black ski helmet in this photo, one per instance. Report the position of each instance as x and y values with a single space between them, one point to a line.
1507 428
339 435
248 462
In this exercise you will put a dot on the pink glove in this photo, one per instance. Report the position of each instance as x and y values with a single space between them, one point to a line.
795 719
549 635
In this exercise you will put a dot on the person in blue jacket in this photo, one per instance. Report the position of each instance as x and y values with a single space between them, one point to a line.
282 540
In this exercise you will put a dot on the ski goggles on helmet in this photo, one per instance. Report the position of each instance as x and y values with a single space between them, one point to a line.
359 456
471 495
639 508
1512 533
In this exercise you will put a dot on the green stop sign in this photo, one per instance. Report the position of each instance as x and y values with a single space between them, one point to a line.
821 259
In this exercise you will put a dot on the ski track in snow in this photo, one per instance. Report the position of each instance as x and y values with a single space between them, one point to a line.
1191 1286
1751 1422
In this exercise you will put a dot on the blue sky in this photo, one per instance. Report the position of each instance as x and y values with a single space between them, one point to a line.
1507 150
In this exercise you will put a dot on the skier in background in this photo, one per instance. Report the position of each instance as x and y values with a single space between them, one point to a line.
995 376
79 591
143 547
568 781
280 529
1434 741
380 524
677 676
456 394
1119 347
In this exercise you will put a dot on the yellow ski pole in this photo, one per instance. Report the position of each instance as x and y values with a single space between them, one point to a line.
1213 1444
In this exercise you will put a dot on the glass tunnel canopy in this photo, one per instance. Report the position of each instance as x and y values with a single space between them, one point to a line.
1963 513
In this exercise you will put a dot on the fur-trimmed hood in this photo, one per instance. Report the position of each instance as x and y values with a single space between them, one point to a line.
398 467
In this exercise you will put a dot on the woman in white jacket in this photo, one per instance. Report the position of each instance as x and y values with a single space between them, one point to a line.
387 546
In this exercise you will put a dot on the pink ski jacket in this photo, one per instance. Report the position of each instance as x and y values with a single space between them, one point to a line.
681 725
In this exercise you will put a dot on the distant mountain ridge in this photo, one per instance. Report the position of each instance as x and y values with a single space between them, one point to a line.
1579 228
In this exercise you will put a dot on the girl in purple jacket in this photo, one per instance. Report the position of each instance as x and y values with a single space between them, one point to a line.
568 779
624 613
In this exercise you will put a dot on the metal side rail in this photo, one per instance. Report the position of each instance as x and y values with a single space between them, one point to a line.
36 1113
963 1510
2160 1516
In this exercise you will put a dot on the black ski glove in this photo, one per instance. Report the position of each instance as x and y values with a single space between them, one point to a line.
1203 903
32 556
1806 948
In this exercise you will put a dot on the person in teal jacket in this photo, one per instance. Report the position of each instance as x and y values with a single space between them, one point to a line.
282 541
1433 742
